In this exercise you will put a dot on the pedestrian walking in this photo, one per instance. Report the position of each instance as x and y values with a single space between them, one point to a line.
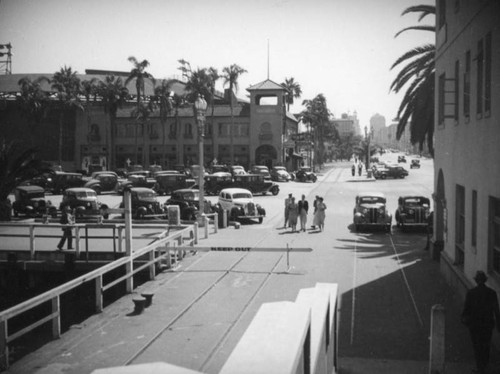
481 314
353 170
315 209
319 217
293 214
360 168
66 219
303 209
288 200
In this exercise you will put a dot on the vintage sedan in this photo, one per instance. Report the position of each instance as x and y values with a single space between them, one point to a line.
169 182
144 204
262 170
305 174
188 201
62 180
256 183
413 211
102 181
415 163
280 174
370 211
84 202
239 204
390 172
215 183
30 202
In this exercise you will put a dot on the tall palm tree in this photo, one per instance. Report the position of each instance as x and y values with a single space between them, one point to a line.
67 86
293 91
16 166
178 102
214 76
162 100
141 115
113 94
418 73
33 101
231 75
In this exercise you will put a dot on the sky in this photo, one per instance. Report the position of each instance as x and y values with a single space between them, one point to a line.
342 49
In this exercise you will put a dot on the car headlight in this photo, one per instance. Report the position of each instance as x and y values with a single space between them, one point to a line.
150 206
364 210
381 211
411 211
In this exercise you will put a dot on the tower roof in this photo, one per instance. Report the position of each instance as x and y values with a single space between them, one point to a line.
266 85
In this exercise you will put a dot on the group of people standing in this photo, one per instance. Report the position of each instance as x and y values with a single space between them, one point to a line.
295 211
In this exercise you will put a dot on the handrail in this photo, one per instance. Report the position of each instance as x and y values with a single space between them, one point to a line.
161 244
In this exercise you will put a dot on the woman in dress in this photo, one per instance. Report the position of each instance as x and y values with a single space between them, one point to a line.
293 214
319 217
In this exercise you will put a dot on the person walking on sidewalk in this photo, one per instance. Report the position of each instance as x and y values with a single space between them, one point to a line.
481 314
66 219
319 216
303 208
293 214
288 200
360 168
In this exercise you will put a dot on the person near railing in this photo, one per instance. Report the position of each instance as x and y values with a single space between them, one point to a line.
66 219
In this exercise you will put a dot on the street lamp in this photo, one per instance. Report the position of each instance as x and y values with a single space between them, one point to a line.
367 137
200 107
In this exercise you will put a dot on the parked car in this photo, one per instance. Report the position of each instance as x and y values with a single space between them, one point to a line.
237 170
239 204
144 204
390 172
62 180
262 170
256 183
30 201
401 159
188 201
136 179
102 181
215 183
305 174
415 163
413 211
166 183
83 201
370 211
219 169
280 174
44 180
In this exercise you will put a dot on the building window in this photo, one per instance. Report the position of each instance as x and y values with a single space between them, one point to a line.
494 233
441 82
467 85
459 225
188 131
487 74
480 77
223 130
442 13
473 238
457 86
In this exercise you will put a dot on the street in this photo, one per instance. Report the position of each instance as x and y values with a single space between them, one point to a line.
387 284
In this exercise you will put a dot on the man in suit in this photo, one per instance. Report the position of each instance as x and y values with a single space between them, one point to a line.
481 314
303 208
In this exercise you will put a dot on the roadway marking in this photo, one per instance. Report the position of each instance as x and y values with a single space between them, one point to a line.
353 302
407 284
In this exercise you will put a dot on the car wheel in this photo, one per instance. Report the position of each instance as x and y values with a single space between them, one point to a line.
261 219
314 179
97 190
275 191
356 227
383 176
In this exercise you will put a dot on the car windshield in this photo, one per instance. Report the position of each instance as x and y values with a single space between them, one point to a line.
85 194
34 195
191 195
146 194
242 195
415 201
371 200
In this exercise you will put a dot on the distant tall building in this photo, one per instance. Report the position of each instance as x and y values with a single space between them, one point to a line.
347 124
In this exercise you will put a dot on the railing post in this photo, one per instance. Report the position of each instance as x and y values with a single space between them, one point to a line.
77 241
128 240
437 343
32 242
196 228
153 264
4 348
120 239
224 218
56 321
205 224
216 223
98 294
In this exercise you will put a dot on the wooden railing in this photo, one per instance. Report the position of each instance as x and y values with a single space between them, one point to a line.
160 250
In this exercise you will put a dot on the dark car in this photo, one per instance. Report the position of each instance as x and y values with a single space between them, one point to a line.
370 211
188 201
262 170
103 181
84 202
256 183
390 172
305 175
413 211
30 201
401 159
44 180
280 174
136 179
62 180
219 169
144 204
215 183
415 163
166 183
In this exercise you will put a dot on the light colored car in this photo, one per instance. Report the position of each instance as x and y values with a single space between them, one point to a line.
239 204
371 211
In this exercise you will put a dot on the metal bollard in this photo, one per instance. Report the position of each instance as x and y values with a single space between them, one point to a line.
437 343
206 222
224 218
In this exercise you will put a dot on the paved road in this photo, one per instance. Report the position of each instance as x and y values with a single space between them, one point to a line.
387 285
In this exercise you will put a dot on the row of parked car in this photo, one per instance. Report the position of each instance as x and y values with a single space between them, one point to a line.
370 211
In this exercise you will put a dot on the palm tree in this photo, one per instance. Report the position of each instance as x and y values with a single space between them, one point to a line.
419 73
33 101
141 115
162 100
113 94
16 166
293 91
140 75
214 76
178 102
231 75
67 86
